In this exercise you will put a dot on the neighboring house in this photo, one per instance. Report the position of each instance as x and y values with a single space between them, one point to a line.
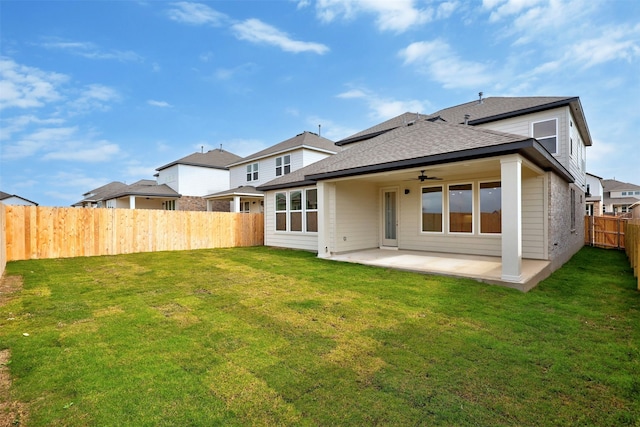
143 194
197 175
14 199
619 196
278 160
97 197
594 195
510 183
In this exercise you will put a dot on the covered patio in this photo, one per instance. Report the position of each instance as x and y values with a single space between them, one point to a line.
486 269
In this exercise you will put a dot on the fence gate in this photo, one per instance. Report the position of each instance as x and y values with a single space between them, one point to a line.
604 231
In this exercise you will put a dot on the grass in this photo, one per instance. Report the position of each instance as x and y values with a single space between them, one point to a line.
259 336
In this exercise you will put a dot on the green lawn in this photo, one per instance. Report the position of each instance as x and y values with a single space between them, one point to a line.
259 336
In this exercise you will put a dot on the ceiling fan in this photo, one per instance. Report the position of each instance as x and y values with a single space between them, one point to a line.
422 177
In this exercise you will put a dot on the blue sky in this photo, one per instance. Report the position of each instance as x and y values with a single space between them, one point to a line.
99 91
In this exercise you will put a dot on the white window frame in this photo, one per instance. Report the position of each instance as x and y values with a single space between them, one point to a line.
308 210
540 140
442 210
288 211
473 213
253 172
281 211
480 207
283 165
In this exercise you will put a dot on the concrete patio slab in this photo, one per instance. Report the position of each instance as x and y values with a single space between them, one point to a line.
482 268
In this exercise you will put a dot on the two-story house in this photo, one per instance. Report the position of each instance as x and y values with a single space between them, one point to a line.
196 176
594 195
277 160
500 176
619 196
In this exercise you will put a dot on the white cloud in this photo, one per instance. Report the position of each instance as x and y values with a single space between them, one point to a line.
383 108
38 141
93 97
17 124
161 104
353 93
398 15
241 147
101 151
256 31
441 63
27 87
196 14
90 50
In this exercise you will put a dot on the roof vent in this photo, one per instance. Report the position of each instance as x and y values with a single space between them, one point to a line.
480 97
467 117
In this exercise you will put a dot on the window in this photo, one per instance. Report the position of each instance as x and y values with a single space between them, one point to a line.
461 208
170 205
283 165
546 133
295 210
312 210
624 193
245 207
252 172
281 211
491 207
432 209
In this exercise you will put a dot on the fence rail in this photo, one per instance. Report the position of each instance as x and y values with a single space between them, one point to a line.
42 232
632 249
605 232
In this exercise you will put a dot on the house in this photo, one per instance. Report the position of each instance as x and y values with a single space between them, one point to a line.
197 175
277 160
143 194
501 176
97 197
619 196
594 195
14 199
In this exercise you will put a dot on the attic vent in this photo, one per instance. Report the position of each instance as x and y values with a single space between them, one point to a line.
467 117
411 123
480 97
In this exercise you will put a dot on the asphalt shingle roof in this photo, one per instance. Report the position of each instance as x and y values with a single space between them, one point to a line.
409 146
218 159
245 190
613 185
305 139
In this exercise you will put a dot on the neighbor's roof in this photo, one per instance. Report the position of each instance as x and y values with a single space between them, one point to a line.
613 185
421 144
101 193
147 188
489 110
243 190
4 196
305 139
216 159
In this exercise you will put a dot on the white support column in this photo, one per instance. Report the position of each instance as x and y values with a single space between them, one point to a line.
132 202
324 250
236 204
511 177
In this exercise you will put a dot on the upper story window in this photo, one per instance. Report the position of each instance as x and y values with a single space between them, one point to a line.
252 172
283 165
546 132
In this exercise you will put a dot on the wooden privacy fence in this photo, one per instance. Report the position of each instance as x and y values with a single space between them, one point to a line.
632 237
605 231
42 232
